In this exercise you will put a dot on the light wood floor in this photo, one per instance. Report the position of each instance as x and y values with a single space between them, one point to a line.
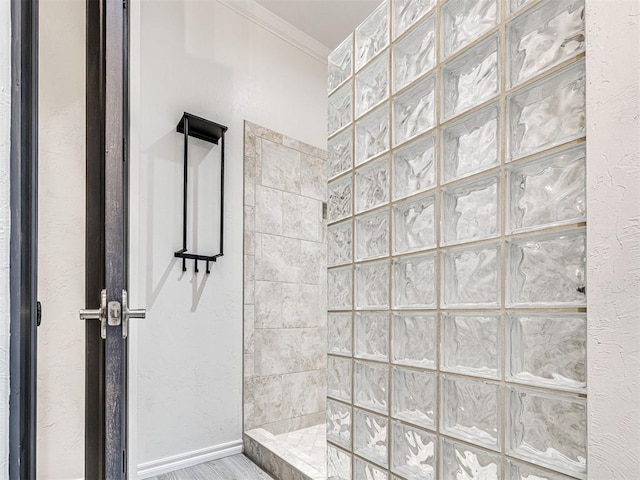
236 467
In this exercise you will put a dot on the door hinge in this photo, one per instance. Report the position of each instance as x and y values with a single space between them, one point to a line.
38 313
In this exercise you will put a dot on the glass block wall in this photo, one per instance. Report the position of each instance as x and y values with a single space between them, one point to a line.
456 243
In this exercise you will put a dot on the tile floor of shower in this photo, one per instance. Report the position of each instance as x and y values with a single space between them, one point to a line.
309 444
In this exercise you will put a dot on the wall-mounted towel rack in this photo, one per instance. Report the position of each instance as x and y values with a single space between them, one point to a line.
197 127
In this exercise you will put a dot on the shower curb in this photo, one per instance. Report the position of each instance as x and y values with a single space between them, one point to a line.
266 451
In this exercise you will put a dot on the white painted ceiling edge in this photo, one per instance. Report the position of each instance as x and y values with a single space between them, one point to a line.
276 25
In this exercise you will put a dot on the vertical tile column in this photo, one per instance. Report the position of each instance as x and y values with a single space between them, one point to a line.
284 282
456 243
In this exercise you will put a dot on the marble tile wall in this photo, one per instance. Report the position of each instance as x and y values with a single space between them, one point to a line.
456 243
285 275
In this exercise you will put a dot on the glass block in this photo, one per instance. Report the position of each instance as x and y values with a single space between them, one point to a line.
547 191
471 277
413 397
547 350
414 111
471 411
370 436
372 235
471 144
339 288
521 471
372 84
372 36
372 134
339 333
548 430
366 471
548 34
339 423
413 453
372 184
340 155
414 282
471 344
372 336
414 224
515 5
339 243
470 211
407 12
372 285
371 386
547 113
338 464
465 20
547 270
414 167
340 102
460 462
339 204
339 378
415 54
471 78
340 63
413 340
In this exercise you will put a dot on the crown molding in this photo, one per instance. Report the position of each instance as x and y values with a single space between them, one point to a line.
273 23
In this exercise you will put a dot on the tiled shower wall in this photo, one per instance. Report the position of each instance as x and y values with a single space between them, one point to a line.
456 243
284 282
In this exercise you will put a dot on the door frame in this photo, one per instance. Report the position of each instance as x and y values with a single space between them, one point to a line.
24 317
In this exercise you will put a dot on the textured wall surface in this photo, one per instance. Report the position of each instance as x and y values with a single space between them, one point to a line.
613 233
5 229
61 240
285 282
203 58
457 244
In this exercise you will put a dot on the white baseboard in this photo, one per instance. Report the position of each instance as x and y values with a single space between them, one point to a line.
188 459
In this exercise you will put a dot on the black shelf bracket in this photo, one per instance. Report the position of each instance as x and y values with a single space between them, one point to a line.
197 127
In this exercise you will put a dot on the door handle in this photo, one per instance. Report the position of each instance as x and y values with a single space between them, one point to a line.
128 313
113 313
98 314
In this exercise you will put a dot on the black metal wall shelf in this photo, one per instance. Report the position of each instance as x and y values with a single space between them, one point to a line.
197 127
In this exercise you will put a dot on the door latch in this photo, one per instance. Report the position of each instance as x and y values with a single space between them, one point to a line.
112 314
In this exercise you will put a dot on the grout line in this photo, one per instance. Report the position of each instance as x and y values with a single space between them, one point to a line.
502 412
438 239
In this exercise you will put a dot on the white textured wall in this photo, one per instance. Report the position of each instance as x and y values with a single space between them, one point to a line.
203 58
613 237
5 229
61 239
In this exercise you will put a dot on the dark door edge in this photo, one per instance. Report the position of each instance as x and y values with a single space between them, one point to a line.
24 234
94 239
